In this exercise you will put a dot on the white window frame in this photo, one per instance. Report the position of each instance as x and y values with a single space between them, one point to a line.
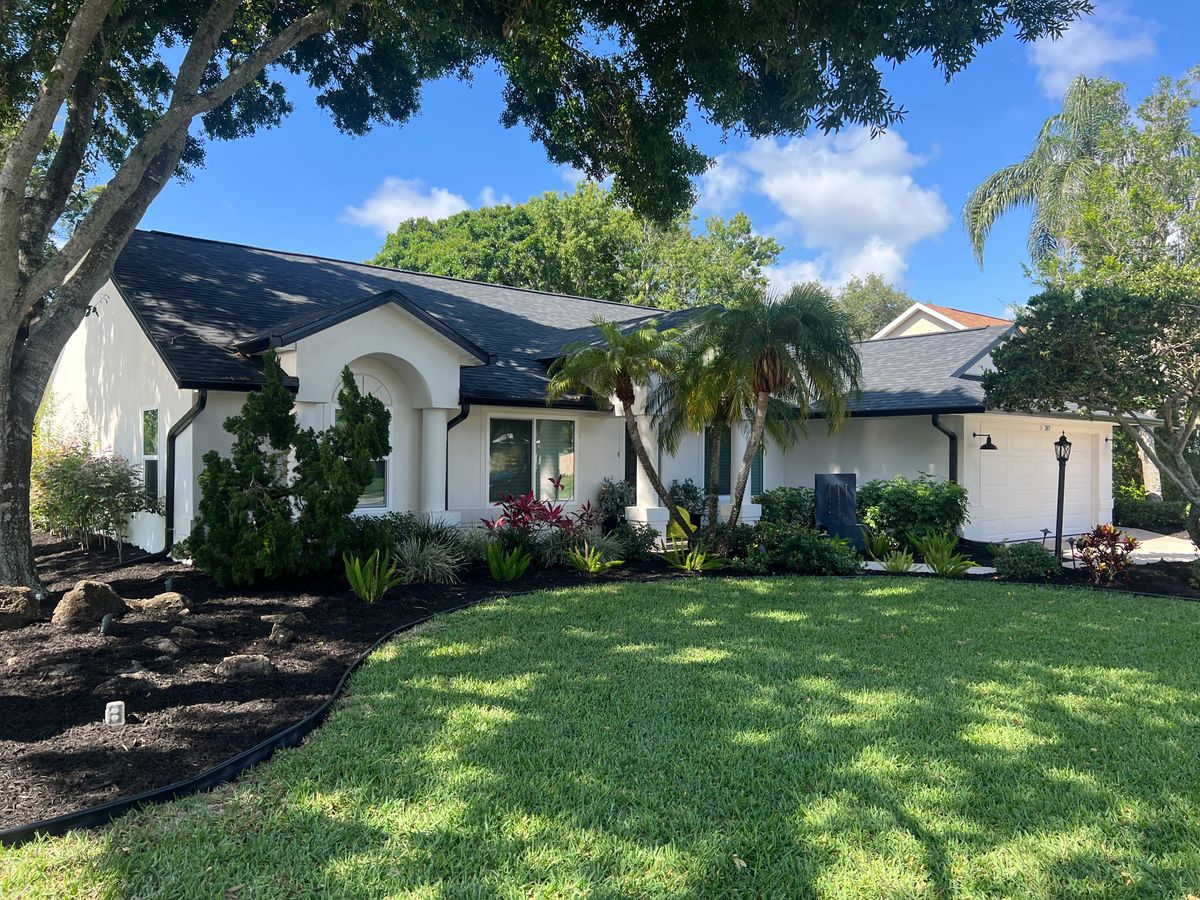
486 454
157 454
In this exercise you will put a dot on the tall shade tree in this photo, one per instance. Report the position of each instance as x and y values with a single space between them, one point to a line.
871 303
621 363
1050 181
1113 352
90 86
700 395
797 349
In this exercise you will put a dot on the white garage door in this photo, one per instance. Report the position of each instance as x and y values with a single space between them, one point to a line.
1019 487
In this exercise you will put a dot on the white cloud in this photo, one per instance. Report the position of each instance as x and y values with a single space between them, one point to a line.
397 199
722 185
487 197
852 199
1091 46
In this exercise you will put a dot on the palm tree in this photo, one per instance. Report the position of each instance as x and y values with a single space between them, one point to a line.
699 395
796 349
1069 150
618 365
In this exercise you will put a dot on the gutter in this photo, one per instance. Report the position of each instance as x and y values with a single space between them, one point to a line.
464 411
936 420
177 429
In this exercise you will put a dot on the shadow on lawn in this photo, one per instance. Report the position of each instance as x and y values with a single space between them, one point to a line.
837 736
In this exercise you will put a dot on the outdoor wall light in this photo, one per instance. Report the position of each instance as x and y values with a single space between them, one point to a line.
987 444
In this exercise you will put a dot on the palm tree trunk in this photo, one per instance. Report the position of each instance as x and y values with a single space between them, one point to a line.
756 436
714 482
639 448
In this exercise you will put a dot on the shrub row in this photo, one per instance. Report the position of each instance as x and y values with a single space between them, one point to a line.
1151 514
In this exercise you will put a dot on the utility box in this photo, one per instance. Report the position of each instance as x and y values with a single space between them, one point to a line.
837 512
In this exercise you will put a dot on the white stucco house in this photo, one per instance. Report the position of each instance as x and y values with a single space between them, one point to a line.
179 331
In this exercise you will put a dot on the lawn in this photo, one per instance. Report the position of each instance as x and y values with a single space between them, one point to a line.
792 737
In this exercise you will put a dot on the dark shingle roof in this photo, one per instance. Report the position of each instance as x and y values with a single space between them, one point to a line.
210 306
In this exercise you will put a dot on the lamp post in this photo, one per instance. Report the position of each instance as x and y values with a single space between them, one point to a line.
1062 452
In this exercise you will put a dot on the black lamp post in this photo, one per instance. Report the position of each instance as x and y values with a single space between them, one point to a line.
1062 452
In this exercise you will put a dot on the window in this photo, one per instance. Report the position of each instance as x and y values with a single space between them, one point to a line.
150 452
725 478
375 494
526 454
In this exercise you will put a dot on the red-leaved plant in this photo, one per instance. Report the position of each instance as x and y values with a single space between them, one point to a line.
1105 553
525 513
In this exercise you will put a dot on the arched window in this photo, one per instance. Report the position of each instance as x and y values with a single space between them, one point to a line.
375 496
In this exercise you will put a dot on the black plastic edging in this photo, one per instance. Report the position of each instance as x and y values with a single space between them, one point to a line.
222 773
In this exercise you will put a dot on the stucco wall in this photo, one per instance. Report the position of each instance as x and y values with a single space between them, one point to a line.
919 323
106 375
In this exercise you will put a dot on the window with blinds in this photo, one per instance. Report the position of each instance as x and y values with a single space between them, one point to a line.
531 455
725 465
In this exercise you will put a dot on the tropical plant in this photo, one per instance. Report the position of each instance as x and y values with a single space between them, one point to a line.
613 497
429 559
1025 561
372 577
618 364
591 560
938 551
1105 553
806 551
507 565
1051 180
474 543
693 560
897 562
877 543
637 539
788 506
796 349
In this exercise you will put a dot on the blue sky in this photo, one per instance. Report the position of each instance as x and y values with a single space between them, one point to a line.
841 205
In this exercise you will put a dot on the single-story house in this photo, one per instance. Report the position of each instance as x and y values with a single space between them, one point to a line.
179 332
929 318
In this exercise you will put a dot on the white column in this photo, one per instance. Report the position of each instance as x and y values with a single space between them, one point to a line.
648 509
433 463
739 439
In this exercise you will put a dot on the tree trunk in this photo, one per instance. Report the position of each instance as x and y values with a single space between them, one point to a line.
1151 477
639 448
752 445
714 483
17 413
1193 523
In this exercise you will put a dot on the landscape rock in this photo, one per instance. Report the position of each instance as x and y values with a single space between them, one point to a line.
106 624
86 604
182 633
131 667
18 607
136 682
245 664
165 646
281 634
291 620
204 623
61 670
167 605
165 661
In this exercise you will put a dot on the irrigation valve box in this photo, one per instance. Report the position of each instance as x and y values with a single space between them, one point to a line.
114 713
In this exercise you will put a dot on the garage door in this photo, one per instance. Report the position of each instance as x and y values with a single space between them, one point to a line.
1019 487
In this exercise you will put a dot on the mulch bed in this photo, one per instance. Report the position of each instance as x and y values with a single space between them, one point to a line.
56 756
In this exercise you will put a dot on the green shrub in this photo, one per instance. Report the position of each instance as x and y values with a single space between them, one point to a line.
688 495
1195 577
372 577
365 534
507 565
613 497
638 540
907 507
938 552
591 560
897 562
789 506
552 549
474 543
877 544
1025 561
738 542
429 558
697 559
805 551
1154 515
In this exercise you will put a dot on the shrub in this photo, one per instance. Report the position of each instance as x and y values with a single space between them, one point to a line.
897 562
1152 514
525 521
372 577
1195 576
805 551
589 559
474 543
789 506
82 495
938 552
507 565
738 542
365 534
688 495
1025 561
694 560
638 540
908 507
1104 553
613 497
431 558
877 544
553 548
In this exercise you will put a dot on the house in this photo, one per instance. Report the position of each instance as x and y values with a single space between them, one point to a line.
179 332
928 318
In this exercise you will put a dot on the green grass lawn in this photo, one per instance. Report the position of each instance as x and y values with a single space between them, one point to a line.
776 738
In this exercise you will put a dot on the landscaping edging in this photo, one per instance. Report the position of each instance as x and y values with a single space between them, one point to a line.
222 773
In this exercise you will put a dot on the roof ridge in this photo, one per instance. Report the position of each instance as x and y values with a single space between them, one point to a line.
347 262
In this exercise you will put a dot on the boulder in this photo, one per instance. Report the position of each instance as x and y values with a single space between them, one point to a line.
18 607
136 682
165 646
245 664
86 604
281 634
181 633
167 605
291 620
204 623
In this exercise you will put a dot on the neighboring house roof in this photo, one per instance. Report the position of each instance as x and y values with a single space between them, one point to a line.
947 318
211 308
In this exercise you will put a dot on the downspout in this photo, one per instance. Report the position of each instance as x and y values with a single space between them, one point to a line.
169 501
464 411
937 423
